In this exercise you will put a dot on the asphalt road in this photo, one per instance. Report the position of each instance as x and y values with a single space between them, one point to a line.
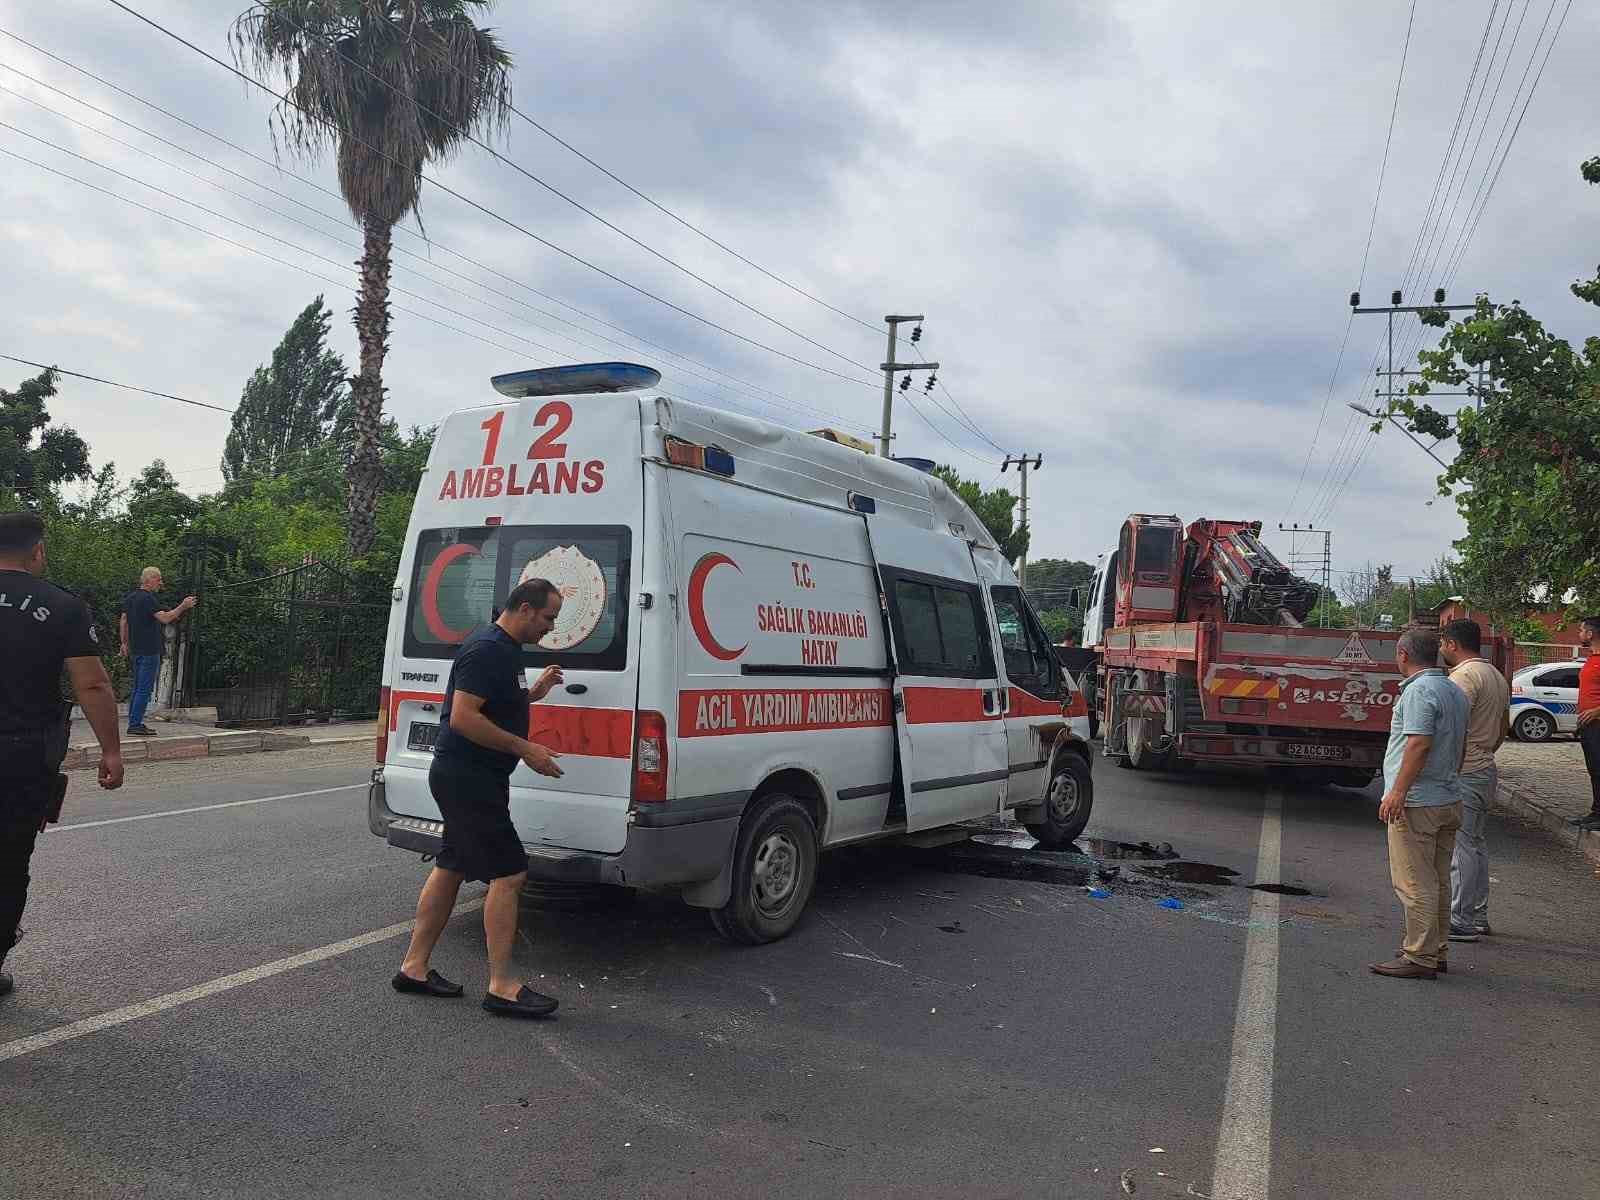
203 1010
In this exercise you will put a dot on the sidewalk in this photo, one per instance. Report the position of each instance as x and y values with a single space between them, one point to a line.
1547 783
192 733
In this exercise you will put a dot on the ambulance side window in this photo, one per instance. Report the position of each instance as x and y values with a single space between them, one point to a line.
1030 661
939 627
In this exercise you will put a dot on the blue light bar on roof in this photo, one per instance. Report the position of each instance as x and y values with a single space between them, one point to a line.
576 380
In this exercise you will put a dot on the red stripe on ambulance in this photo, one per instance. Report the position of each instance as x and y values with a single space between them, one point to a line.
945 706
781 710
589 732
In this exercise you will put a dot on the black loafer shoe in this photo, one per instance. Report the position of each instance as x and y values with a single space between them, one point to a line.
528 1003
434 985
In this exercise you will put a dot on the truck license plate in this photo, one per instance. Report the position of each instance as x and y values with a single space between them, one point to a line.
422 735
1310 750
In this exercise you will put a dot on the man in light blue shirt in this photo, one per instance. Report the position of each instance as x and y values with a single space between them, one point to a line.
1422 802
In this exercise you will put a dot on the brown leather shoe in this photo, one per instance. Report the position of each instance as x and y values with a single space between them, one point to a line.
1404 968
1443 968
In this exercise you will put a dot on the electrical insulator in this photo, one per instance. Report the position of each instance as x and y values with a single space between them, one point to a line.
905 382
916 333
928 387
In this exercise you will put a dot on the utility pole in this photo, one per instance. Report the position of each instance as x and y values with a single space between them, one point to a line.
1023 464
890 367
1397 305
1324 565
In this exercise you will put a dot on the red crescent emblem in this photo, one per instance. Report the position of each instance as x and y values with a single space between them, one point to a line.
697 606
430 593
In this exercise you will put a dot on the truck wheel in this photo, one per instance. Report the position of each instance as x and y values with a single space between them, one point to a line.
1533 725
1140 756
1067 804
774 871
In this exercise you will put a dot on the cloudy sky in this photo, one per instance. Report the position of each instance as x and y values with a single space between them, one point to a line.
1133 228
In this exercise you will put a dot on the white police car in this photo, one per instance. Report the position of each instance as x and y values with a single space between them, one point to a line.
1544 701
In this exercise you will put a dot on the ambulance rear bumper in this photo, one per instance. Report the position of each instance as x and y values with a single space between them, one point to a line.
693 848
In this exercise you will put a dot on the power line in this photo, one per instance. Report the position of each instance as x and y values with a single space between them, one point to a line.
1469 230
467 135
689 225
744 383
489 212
293 246
964 418
1361 278
1354 451
1472 230
127 387
399 250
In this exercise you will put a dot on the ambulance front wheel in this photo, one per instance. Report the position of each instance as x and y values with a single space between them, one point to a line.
1067 804
774 872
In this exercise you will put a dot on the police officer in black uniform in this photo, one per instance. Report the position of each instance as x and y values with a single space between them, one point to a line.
41 628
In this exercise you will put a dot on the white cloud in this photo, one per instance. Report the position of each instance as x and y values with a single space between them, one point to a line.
1132 229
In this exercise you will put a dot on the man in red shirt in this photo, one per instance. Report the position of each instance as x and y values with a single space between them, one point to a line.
1589 715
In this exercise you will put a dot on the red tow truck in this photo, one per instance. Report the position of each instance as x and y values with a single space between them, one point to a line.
1206 657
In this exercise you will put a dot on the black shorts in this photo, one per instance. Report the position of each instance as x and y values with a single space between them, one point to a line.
480 841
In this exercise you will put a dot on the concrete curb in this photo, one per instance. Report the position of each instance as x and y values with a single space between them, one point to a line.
1514 798
209 745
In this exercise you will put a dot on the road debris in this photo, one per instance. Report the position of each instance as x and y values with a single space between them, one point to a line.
1171 902
1127 1182
1098 893
1157 1150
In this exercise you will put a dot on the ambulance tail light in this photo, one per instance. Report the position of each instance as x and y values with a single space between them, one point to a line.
383 725
650 758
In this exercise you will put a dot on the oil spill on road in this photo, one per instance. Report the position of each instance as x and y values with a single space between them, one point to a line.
1062 868
1281 889
1207 874
1103 848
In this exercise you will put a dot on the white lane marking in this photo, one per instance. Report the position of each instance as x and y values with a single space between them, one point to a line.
644 1108
147 1008
1242 1170
178 812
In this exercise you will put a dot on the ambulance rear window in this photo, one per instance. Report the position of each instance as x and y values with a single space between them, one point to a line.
462 575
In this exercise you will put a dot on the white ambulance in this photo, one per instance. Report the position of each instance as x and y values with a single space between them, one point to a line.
773 645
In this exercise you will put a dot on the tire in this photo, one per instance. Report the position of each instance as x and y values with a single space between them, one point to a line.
774 872
1141 757
1534 725
1068 801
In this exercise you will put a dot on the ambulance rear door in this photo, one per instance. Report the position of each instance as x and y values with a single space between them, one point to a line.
548 487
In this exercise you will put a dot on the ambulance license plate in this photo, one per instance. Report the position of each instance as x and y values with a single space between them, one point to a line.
1306 750
422 735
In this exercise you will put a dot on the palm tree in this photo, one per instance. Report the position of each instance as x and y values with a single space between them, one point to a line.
390 86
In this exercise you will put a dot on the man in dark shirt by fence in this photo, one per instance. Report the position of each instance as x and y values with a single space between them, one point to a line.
42 628
144 640
483 735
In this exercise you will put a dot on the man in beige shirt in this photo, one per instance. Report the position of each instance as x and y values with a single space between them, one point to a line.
1460 643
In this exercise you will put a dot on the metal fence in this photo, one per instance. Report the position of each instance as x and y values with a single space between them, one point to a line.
286 648
1527 654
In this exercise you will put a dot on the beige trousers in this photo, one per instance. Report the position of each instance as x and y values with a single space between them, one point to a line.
1421 844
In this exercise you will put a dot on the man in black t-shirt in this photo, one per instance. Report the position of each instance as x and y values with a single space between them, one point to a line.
144 640
42 628
483 735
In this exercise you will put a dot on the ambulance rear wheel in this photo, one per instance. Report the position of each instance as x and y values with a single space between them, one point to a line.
1068 802
774 872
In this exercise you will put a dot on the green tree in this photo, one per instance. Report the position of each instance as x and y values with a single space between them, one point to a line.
1058 588
289 406
390 86
156 503
1526 477
995 509
36 457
